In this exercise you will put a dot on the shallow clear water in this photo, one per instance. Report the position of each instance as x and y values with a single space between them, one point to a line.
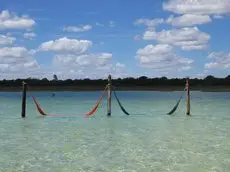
148 140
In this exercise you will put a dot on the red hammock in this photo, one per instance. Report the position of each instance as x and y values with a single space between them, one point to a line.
91 112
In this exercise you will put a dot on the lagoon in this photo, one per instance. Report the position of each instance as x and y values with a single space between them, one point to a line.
148 140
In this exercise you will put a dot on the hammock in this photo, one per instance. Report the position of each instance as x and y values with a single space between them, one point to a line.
91 112
39 109
176 106
119 103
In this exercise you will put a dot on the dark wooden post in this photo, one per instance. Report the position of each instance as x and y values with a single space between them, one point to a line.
109 97
24 89
188 97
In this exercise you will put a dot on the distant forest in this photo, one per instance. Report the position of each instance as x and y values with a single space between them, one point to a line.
124 82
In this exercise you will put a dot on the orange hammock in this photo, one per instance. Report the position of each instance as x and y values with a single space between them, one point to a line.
91 112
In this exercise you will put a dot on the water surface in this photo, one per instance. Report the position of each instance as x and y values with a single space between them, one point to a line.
146 141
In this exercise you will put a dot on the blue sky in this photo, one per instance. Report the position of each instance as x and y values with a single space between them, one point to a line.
78 39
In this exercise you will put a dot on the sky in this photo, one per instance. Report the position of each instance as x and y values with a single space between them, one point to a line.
90 39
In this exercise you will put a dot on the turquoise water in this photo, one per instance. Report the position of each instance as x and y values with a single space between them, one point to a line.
146 141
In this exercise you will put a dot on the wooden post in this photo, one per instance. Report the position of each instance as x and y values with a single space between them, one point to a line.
188 97
24 85
109 97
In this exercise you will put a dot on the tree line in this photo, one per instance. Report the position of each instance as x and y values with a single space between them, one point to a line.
124 82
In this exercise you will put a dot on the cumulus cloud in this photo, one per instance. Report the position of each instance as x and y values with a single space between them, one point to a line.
182 35
81 28
73 56
186 38
198 6
188 20
12 21
220 60
29 35
5 40
17 62
15 59
99 59
162 57
96 65
184 20
152 23
65 45
72 60
13 52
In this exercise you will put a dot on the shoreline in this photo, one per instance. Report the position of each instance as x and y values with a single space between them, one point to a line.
127 88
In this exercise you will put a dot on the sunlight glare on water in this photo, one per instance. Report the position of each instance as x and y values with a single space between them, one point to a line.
147 140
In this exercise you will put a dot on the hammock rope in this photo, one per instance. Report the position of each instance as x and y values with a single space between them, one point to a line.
91 112
119 103
177 104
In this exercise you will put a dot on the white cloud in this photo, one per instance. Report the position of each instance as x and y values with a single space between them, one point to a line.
201 75
65 45
185 68
22 72
100 59
96 65
220 61
117 71
81 28
16 59
12 21
5 40
107 67
148 22
94 59
217 17
198 6
112 23
119 65
186 38
13 52
30 35
188 20
32 52
73 61
99 24
162 58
